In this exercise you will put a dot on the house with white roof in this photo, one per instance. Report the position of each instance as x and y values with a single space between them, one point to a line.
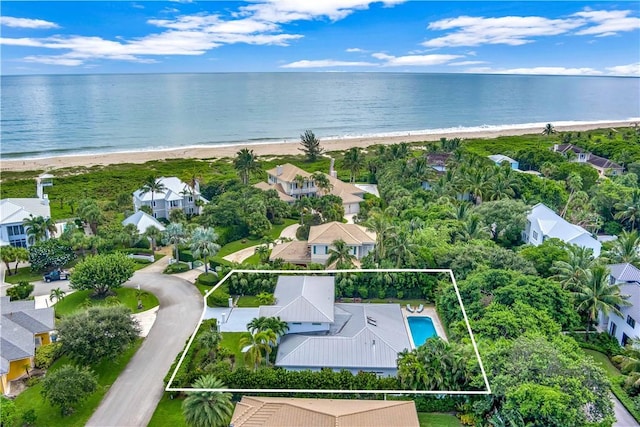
282 179
142 221
13 212
543 223
317 247
177 195
355 337
498 159
624 327
23 329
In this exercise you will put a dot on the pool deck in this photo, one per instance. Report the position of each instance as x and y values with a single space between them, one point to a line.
427 312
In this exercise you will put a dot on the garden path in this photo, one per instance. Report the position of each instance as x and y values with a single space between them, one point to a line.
239 256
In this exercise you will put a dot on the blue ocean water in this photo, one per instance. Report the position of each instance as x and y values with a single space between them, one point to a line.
78 114
421 329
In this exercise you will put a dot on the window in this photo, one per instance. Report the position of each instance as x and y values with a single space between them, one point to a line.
535 235
190 199
15 230
296 323
326 250
18 243
38 341
154 203
631 321
314 249
316 324
625 339
353 250
613 329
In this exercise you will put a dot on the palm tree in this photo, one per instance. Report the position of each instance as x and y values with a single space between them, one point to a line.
379 224
353 161
476 184
20 255
89 211
154 234
263 253
548 130
597 295
38 228
7 254
256 344
175 235
571 274
210 339
340 253
277 325
574 184
203 244
152 185
246 163
322 182
207 408
625 249
630 212
57 294
299 180
472 228
402 249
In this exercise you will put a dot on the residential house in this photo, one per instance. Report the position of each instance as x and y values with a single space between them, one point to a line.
602 165
142 221
624 327
355 337
543 223
177 195
498 159
14 211
23 329
321 237
293 412
282 179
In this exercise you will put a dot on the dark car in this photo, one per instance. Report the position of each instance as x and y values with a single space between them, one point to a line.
56 275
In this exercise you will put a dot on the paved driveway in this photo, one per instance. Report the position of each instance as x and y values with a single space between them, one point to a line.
134 396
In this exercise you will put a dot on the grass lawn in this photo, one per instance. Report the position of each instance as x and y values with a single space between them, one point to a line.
236 245
604 362
252 260
231 341
168 413
24 274
428 419
248 301
106 371
127 296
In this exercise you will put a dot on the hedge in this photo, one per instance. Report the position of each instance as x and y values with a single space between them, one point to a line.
185 255
602 342
623 397
136 251
178 267
208 279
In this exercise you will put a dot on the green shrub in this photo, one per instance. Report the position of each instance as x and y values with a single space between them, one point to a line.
266 298
178 267
623 397
47 354
29 417
602 342
208 279
9 411
218 299
136 251
185 255
20 291
142 244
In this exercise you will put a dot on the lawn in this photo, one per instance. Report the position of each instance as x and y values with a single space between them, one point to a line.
603 361
236 245
428 419
127 296
24 274
248 301
106 371
231 341
168 413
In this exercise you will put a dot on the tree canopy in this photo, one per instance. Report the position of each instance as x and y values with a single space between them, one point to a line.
102 273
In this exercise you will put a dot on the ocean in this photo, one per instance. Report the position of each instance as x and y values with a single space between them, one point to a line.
53 115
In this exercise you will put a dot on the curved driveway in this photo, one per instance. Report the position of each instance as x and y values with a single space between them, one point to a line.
134 396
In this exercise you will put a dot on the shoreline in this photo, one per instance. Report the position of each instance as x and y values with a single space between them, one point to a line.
287 147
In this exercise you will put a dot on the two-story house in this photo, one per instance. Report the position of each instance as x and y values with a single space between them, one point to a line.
177 195
624 327
602 165
13 212
24 328
543 223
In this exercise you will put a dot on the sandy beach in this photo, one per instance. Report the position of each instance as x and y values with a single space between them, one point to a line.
274 149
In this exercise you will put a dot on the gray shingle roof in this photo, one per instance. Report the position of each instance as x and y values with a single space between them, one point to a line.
19 321
624 272
356 343
302 299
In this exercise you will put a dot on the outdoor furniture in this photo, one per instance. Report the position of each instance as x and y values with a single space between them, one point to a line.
409 308
420 308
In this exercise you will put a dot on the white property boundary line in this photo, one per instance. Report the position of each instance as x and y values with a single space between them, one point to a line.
326 272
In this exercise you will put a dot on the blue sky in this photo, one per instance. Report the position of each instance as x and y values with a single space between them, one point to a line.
585 38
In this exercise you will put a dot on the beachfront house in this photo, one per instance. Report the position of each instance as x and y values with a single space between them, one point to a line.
320 242
602 165
324 334
543 223
177 195
293 412
282 178
624 327
499 159
24 328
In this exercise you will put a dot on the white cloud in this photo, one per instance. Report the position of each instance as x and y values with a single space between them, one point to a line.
555 71
625 70
323 63
54 60
414 60
355 50
463 63
10 21
607 22
509 30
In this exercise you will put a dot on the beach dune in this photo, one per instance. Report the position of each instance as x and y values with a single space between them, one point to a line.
276 149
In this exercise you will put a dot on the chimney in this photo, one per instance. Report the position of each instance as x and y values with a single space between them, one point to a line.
555 147
332 171
279 170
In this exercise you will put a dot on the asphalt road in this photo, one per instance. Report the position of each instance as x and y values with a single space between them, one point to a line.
134 396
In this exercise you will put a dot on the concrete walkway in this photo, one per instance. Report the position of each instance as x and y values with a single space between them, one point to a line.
241 255
290 232
133 398
623 417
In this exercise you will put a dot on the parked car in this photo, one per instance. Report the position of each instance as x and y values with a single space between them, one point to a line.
56 275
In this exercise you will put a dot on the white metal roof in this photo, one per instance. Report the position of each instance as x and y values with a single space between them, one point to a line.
302 299
142 221
17 210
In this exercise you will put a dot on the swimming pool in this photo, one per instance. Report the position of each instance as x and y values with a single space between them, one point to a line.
421 329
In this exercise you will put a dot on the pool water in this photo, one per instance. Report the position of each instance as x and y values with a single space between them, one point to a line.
421 329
